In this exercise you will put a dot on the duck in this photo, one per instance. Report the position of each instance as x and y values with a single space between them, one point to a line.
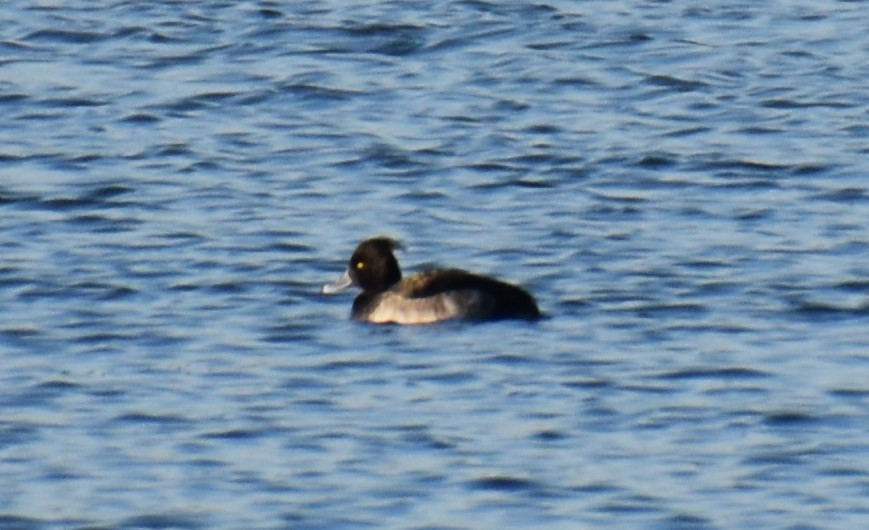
426 297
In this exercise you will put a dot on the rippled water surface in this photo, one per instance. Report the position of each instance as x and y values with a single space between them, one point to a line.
682 185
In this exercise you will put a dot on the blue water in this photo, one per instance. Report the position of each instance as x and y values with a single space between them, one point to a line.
682 185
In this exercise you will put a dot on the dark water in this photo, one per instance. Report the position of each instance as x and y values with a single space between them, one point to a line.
682 185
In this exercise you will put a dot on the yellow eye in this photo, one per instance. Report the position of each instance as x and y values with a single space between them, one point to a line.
360 265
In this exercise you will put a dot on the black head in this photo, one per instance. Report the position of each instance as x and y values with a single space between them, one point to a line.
373 266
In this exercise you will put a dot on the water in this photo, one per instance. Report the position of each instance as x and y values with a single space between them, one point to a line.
683 187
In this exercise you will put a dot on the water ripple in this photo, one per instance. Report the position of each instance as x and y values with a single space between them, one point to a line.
681 187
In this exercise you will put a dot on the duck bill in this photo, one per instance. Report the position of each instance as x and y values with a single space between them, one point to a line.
340 284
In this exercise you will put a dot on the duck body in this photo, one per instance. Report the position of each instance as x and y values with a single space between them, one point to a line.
426 297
